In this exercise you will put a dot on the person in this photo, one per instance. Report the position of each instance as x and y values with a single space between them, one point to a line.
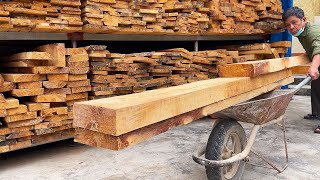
309 36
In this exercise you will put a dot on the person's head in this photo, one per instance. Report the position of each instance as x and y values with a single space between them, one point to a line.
294 20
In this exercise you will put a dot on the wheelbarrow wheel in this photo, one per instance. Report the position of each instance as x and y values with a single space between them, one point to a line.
226 140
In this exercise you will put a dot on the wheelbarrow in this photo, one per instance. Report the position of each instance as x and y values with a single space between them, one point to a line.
227 148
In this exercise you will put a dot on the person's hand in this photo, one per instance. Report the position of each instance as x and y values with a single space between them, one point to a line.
313 72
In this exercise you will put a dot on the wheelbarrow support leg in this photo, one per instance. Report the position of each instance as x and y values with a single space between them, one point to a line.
280 170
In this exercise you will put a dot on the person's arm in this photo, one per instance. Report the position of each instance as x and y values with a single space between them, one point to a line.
313 70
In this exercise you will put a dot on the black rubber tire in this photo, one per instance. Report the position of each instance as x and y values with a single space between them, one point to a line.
215 145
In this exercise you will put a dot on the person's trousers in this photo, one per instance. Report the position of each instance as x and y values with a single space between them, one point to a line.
315 96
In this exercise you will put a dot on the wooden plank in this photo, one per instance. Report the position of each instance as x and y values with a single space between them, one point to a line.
58 77
46 125
49 98
78 83
58 53
7 86
53 129
23 77
77 64
20 117
19 134
78 58
49 70
75 51
56 118
256 46
26 92
3 113
52 137
29 122
1 80
22 63
110 116
54 111
6 130
57 91
83 95
10 103
4 149
303 69
256 68
2 98
19 110
82 70
281 44
29 85
263 51
77 77
20 145
30 56
37 106
80 89
97 139
54 84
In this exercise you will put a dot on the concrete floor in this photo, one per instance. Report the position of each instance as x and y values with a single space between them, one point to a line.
168 156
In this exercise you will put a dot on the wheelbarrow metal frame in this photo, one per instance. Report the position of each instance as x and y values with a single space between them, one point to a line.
241 156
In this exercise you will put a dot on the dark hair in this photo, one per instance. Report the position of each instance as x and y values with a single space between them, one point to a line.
293 11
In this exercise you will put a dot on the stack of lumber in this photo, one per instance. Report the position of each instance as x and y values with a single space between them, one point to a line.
78 83
270 15
40 82
38 89
182 17
115 74
161 16
126 120
41 16
139 16
258 51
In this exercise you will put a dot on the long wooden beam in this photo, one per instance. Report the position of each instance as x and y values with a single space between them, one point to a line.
257 68
303 69
122 114
97 139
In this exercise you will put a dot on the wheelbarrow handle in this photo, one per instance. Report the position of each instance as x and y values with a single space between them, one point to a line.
301 84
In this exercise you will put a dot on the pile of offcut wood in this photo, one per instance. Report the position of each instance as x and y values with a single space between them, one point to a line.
40 88
40 16
185 17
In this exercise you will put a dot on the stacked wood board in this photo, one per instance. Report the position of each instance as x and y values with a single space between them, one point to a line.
118 74
78 83
119 122
182 17
258 51
39 88
40 16
44 83
257 68
139 16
